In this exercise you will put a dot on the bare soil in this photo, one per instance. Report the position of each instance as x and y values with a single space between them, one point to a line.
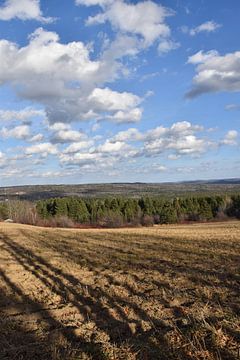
167 292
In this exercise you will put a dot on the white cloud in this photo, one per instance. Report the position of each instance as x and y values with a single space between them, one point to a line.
113 100
122 105
180 138
158 167
11 173
173 157
66 136
94 2
232 107
3 160
95 127
201 57
215 72
145 19
230 138
113 147
44 71
123 45
80 159
23 115
131 134
185 145
36 138
167 45
63 78
131 116
78 146
20 132
43 149
208 26
59 126
124 149
24 10
63 133
189 144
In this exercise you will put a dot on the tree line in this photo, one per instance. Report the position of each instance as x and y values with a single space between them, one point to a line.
120 211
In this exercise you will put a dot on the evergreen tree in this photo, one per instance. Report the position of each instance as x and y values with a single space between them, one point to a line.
61 207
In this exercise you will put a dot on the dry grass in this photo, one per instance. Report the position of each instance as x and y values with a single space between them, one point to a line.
168 292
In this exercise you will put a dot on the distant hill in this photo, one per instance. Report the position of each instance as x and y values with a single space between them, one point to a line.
168 189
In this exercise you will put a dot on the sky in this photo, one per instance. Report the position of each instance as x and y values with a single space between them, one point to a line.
119 91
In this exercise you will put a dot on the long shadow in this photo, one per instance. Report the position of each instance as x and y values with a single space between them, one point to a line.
49 276
13 336
71 290
94 257
64 285
227 279
21 343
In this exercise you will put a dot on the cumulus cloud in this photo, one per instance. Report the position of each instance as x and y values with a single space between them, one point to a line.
66 136
207 27
131 116
145 20
230 138
122 106
180 139
159 167
36 138
167 45
57 65
112 100
201 57
63 78
131 134
23 10
78 146
59 126
94 2
63 133
215 72
42 149
21 132
23 115
124 149
80 159
113 147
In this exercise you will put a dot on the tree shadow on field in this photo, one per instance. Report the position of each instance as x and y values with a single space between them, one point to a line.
31 343
113 329
19 341
141 269
193 265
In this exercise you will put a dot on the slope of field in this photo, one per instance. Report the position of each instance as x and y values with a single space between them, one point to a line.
168 292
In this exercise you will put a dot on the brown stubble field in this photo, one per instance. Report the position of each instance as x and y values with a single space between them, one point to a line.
167 292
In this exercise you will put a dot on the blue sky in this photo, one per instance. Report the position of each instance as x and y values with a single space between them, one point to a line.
119 91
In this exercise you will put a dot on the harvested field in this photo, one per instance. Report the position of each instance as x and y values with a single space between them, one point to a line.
167 292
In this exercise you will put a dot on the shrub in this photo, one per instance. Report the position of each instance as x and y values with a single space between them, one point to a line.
147 220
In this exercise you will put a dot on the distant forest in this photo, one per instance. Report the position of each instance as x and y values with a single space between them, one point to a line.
128 190
121 211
